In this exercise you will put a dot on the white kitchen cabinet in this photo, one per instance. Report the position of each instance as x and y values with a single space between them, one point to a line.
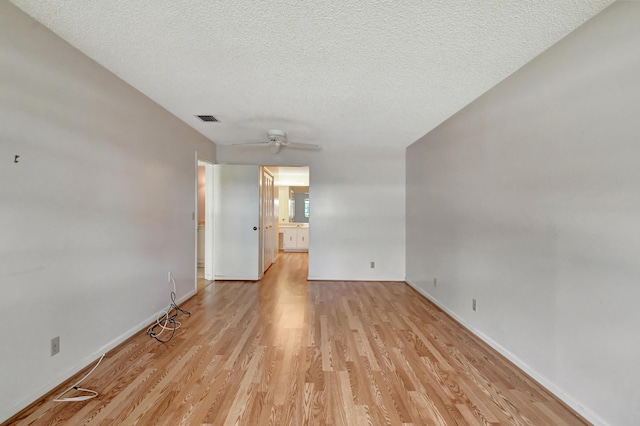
289 239
303 239
295 239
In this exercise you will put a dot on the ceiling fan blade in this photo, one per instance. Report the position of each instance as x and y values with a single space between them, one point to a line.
252 144
299 145
278 140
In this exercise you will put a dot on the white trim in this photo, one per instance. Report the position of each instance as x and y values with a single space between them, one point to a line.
544 382
234 278
196 220
61 378
208 224
207 262
342 278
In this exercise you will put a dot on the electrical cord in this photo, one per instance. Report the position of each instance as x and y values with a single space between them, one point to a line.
92 393
166 321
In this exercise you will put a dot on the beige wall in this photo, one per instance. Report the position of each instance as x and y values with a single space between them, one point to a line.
528 200
97 211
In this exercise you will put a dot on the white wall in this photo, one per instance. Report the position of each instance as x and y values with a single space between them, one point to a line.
357 200
529 201
95 213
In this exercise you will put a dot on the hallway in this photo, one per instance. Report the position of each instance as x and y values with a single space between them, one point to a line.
285 351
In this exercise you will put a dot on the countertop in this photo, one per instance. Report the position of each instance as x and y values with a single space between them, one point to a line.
292 225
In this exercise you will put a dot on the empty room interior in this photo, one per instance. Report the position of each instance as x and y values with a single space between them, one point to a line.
374 213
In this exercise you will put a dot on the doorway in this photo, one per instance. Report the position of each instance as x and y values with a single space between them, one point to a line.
293 206
203 222
253 215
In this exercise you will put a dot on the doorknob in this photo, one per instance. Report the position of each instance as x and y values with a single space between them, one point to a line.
255 228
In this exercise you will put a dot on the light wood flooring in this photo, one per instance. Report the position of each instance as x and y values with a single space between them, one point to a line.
201 283
285 351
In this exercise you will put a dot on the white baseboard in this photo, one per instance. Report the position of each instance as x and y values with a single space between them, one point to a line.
372 279
234 278
551 387
141 326
62 377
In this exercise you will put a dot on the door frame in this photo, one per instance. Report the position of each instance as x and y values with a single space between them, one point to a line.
208 220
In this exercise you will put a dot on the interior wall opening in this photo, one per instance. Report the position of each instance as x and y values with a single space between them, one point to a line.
293 207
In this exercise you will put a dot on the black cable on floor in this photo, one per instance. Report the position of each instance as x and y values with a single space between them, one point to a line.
167 321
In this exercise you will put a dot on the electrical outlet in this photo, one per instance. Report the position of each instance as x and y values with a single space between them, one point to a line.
169 276
55 345
474 305
435 282
373 265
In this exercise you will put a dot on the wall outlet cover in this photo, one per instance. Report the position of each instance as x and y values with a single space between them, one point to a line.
55 345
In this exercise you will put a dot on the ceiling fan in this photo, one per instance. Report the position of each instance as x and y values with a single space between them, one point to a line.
277 139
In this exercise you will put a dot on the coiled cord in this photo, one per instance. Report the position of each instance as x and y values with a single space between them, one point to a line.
166 321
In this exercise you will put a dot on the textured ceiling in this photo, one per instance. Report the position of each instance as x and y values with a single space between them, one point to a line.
335 72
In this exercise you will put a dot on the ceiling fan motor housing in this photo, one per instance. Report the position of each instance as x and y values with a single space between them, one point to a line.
277 136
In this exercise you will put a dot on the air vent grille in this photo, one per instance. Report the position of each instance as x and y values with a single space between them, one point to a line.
208 118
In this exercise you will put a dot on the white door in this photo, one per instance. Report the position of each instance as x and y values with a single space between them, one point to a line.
267 215
236 221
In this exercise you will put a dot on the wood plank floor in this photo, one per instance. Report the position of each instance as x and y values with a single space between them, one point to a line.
285 351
